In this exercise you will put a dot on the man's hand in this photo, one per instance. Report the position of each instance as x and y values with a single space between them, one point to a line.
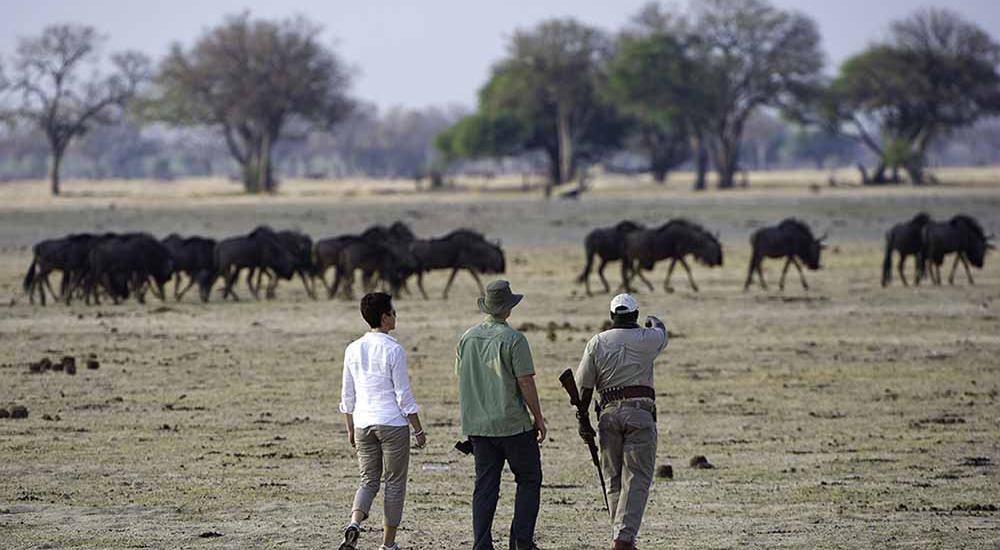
654 322
586 430
421 440
350 437
540 428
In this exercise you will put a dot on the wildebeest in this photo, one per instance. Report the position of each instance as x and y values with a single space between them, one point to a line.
906 238
390 260
195 258
69 254
791 239
326 254
608 243
300 248
123 264
258 250
962 235
460 249
673 240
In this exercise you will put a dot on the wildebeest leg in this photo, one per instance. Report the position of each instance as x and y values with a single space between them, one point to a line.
750 270
802 276
638 273
965 264
902 275
784 271
180 296
690 277
254 290
48 284
420 284
954 267
670 271
177 286
600 274
310 288
482 291
626 275
451 279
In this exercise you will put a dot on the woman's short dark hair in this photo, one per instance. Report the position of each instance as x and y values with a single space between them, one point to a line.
373 306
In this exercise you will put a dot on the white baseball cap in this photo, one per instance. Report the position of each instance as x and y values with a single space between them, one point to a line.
624 301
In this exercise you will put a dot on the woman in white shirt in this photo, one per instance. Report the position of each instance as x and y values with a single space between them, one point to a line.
379 407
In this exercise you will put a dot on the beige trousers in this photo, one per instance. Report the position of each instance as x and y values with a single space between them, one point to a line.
383 450
628 458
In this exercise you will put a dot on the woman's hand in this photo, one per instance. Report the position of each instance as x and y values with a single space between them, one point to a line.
350 437
421 438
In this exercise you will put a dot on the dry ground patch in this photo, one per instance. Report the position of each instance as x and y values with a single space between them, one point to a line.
845 416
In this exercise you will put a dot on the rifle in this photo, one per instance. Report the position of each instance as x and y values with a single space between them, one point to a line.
569 384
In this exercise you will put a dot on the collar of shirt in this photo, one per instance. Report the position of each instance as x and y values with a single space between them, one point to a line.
377 334
493 320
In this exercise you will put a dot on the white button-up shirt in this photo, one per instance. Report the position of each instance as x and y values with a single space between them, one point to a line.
376 388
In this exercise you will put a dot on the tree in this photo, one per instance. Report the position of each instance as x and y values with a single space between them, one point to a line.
755 55
544 96
250 78
55 97
653 79
935 74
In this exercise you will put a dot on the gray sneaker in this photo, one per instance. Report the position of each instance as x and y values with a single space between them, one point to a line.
351 535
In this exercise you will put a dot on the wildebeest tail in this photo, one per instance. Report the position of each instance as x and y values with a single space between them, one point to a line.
887 262
29 278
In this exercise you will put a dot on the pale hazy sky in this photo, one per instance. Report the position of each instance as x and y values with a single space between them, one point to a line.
426 52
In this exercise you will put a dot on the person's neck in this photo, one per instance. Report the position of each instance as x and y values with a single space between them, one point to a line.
623 323
380 330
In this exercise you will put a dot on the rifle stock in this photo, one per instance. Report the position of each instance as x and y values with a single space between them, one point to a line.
569 384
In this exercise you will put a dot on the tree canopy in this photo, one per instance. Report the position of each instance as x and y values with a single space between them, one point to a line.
249 78
63 103
935 74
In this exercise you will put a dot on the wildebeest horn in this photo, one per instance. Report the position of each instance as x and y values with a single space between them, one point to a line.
823 238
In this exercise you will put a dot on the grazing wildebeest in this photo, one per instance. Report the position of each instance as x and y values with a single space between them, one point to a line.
791 239
460 249
257 250
673 240
194 257
69 254
300 248
906 238
608 243
962 235
132 259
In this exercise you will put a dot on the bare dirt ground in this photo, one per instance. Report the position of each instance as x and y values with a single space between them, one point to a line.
844 416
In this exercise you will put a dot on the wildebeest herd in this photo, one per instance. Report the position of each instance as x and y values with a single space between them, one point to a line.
122 265
119 266
638 249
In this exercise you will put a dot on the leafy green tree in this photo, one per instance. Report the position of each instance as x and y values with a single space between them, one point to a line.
935 74
250 78
754 55
59 99
544 96
653 78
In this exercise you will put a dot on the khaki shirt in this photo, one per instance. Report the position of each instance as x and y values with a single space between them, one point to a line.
490 357
620 357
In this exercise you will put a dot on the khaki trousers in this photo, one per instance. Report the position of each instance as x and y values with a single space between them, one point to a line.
628 458
383 450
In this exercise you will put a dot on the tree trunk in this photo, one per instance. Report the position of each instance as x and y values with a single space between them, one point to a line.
565 136
265 173
725 164
554 174
54 168
700 161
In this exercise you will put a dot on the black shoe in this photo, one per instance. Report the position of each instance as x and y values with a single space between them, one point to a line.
351 535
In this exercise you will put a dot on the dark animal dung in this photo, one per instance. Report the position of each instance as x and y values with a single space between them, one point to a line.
19 411
701 463
69 362
4 413
71 368
665 471
44 364
92 364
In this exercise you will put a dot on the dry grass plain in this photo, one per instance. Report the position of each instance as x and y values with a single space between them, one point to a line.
844 416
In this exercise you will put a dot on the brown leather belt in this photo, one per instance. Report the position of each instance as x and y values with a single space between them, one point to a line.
626 392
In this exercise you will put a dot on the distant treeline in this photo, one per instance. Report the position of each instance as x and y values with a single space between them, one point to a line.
723 85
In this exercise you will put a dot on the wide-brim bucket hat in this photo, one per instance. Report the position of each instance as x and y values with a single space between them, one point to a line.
498 298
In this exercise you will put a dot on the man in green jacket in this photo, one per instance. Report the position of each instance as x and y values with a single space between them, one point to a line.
496 391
